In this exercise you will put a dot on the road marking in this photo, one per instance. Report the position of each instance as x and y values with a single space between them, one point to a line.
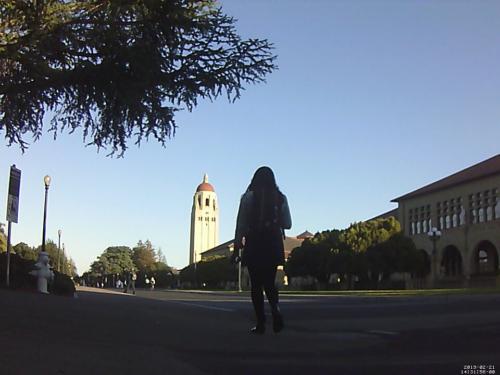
385 333
202 306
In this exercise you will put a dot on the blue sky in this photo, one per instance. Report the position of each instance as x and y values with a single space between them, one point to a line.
372 99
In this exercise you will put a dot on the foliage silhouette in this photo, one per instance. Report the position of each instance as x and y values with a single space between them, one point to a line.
118 69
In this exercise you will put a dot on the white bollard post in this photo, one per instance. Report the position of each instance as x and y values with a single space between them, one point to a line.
43 272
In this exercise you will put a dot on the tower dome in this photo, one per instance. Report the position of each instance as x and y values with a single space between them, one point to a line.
204 221
205 186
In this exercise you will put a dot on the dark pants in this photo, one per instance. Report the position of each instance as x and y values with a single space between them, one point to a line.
262 278
130 285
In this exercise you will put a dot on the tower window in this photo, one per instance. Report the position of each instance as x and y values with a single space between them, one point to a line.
207 202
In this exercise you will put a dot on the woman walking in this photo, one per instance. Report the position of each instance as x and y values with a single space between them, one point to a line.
262 217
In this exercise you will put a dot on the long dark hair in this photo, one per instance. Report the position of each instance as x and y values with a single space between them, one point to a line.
267 198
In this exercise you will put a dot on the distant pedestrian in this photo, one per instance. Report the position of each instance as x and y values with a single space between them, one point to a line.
133 279
153 282
262 217
130 279
126 281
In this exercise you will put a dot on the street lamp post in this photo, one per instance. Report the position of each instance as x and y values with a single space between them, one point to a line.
46 181
434 235
59 232
64 256
42 269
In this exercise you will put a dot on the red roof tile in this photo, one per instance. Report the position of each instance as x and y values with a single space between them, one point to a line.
205 186
305 235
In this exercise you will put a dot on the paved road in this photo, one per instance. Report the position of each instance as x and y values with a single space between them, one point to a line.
168 332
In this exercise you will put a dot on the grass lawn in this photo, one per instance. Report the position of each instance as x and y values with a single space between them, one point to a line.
366 293
395 293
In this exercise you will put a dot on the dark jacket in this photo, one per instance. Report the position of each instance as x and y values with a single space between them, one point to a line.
261 248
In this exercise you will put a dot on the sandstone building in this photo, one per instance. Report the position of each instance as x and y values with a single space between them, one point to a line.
465 208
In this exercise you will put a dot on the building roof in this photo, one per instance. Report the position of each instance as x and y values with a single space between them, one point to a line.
289 243
478 171
219 249
205 186
305 235
385 215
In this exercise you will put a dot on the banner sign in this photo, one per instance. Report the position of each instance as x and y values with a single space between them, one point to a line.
13 197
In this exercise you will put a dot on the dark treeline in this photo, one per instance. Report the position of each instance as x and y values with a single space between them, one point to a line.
365 254
58 258
22 261
213 273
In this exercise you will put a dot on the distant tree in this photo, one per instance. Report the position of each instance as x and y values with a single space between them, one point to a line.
296 263
317 257
72 270
160 266
54 254
118 69
213 273
423 265
341 252
161 256
397 254
144 256
115 260
309 260
57 257
100 267
25 251
360 236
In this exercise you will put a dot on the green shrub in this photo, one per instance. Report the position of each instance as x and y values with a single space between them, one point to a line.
19 271
20 277
62 285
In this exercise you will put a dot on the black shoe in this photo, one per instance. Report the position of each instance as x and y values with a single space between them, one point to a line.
259 329
277 322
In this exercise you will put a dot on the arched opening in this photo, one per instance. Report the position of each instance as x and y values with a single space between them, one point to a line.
451 264
485 259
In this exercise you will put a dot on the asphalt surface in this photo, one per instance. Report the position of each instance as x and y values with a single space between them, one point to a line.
172 332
